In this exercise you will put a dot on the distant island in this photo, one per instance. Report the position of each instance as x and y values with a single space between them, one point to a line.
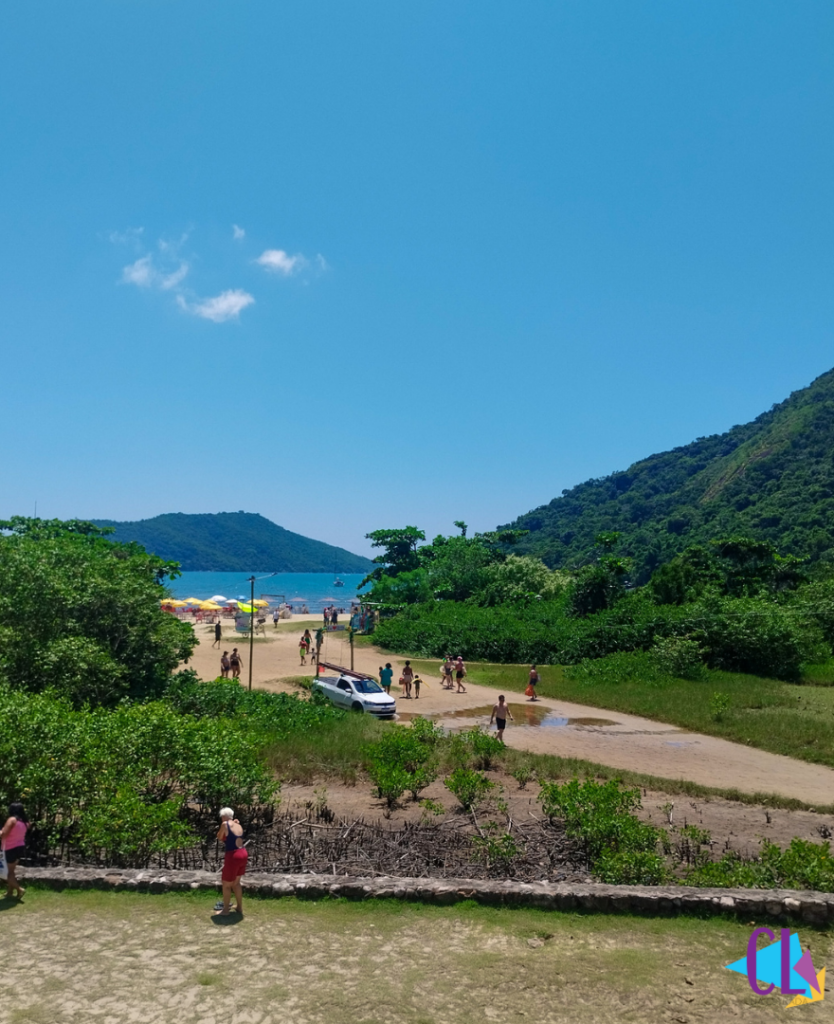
234 542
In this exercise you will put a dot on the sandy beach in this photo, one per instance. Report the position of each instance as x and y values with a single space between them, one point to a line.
548 727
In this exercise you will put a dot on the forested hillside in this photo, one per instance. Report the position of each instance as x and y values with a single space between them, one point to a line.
234 542
772 479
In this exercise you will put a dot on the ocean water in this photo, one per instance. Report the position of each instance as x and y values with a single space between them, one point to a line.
315 589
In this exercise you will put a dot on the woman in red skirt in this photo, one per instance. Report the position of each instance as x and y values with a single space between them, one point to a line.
230 834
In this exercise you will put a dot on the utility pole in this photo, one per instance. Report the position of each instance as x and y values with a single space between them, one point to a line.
251 627
252 618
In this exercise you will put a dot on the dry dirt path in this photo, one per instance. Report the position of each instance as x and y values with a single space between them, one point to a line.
627 741
117 958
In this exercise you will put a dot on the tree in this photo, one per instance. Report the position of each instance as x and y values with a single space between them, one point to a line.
80 615
400 554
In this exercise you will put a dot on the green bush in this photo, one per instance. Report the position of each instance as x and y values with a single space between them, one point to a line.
469 786
755 635
80 772
678 656
486 749
803 865
616 843
401 760
81 616
272 714
719 705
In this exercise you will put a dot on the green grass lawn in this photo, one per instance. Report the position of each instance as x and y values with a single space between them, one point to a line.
90 957
797 721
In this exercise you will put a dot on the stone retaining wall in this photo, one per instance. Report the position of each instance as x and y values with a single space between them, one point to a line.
815 908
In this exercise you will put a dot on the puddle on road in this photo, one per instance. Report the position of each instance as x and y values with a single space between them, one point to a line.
523 714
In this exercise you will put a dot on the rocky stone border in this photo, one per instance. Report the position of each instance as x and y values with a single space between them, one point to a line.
815 908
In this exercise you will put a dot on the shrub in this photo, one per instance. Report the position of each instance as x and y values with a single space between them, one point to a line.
678 656
469 786
401 761
599 815
522 775
719 705
131 770
803 865
485 748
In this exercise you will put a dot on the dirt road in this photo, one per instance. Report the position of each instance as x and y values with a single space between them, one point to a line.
549 726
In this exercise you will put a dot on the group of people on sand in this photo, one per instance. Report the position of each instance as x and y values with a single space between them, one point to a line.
305 645
453 670
231 663
408 680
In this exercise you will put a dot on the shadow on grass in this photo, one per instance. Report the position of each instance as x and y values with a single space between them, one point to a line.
225 920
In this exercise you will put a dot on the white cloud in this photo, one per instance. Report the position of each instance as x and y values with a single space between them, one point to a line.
279 262
224 306
322 263
237 233
123 237
172 280
141 273
144 274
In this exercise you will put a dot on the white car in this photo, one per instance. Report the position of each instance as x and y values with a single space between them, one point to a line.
356 693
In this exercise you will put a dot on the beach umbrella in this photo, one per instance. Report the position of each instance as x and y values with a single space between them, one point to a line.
262 604
209 606
172 603
219 598
193 600
248 608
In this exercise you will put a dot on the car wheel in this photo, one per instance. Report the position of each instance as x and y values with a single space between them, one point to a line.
356 706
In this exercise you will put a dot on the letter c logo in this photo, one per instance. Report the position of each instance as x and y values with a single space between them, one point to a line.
751 961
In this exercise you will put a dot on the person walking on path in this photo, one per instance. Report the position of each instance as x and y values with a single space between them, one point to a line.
236 662
218 634
406 679
275 616
460 673
446 670
225 665
500 713
386 675
230 834
532 684
302 649
13 843
417 682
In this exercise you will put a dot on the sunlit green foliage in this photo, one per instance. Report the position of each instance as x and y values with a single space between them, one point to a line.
80 615
772 480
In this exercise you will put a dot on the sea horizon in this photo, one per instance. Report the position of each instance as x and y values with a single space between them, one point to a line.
315 589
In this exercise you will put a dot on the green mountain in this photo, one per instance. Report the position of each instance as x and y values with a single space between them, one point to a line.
771 479
235 542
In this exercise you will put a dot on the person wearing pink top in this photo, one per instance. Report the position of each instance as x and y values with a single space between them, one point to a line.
13 843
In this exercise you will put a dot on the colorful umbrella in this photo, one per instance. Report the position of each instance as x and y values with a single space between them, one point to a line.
209 606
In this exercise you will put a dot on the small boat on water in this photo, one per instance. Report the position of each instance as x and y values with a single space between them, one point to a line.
338 583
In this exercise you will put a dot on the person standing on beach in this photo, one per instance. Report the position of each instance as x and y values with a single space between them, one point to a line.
334 618
230 834
13 844
406 679
218 635
236 662
386 675
446 670
460 673
275 616
534 682
302 650
225 665
500 714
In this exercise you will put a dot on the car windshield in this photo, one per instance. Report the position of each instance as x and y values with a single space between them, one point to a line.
366 686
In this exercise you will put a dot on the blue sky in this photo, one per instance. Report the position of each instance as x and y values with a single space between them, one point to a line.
355 265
